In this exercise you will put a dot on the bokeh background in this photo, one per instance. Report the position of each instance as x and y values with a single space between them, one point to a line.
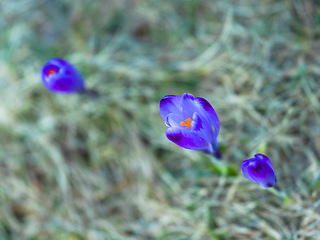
74 167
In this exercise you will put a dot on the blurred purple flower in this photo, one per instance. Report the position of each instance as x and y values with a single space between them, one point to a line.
259 169
191 122
60 76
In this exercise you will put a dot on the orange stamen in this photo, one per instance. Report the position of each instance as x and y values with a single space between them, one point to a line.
51 72
186 123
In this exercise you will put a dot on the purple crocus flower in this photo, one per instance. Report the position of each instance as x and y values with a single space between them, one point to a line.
60 76
259 169
191 122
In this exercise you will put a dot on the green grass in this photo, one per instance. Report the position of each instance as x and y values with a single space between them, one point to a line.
76 168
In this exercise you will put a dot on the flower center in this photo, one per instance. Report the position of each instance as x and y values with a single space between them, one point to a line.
51 71
186 123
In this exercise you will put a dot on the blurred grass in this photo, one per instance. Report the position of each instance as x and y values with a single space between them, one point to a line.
77 168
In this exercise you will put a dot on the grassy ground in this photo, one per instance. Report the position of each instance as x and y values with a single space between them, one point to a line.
72 167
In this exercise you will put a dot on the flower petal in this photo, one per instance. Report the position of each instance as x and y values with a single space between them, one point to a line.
263 174
209 112
49 69
187 104
188 97
263 158
59 62
191 104
245 168
197 123
188 139
170 104
173 120
63 85
203 127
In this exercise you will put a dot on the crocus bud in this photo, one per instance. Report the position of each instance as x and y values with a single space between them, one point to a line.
259 169
60 76
191 122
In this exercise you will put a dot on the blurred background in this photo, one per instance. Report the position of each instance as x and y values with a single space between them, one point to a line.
73 167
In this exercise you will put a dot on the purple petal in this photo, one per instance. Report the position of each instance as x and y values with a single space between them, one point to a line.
187 105
206 130
49 69
245 167
198 123
187 139
188 97
209 112
191 104
199 128
263 158
63 85
170 104
59 62
263 174
173 120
